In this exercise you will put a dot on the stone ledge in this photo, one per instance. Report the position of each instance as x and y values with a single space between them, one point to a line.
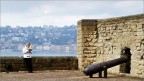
41 63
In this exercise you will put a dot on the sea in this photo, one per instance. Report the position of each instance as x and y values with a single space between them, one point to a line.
39 53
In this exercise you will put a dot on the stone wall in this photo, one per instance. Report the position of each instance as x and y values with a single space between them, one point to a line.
40 63
107 39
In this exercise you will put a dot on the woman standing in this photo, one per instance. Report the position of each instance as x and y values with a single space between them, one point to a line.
27 52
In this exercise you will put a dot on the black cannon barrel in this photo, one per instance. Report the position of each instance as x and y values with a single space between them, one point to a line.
94 68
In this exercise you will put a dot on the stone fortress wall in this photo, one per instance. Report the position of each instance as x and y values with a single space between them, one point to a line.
42 63
100 40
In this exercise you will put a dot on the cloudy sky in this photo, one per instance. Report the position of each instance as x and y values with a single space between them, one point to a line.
64 12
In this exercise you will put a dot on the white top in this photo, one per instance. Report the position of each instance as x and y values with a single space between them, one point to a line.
26 53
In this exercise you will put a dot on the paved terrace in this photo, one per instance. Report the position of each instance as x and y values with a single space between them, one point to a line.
59 76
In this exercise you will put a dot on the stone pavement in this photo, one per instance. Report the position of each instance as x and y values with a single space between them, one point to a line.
59 75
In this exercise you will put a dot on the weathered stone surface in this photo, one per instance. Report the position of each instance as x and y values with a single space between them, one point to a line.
106 39
41 63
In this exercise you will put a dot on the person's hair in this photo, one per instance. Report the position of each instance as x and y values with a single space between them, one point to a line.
27 43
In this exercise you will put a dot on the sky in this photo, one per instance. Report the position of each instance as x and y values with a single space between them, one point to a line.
64 12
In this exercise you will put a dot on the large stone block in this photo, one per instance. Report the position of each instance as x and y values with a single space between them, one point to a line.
108 37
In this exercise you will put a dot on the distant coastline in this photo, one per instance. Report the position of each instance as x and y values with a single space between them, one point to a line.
38 53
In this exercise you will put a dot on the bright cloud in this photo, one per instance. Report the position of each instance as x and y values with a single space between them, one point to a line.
130 6
60 13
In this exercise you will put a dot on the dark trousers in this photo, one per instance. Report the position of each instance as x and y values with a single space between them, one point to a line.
28 64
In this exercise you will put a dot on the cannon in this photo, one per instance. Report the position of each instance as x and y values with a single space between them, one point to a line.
103 66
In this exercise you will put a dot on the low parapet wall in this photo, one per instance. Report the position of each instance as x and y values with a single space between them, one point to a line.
40 63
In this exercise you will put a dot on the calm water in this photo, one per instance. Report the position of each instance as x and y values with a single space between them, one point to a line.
39 53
